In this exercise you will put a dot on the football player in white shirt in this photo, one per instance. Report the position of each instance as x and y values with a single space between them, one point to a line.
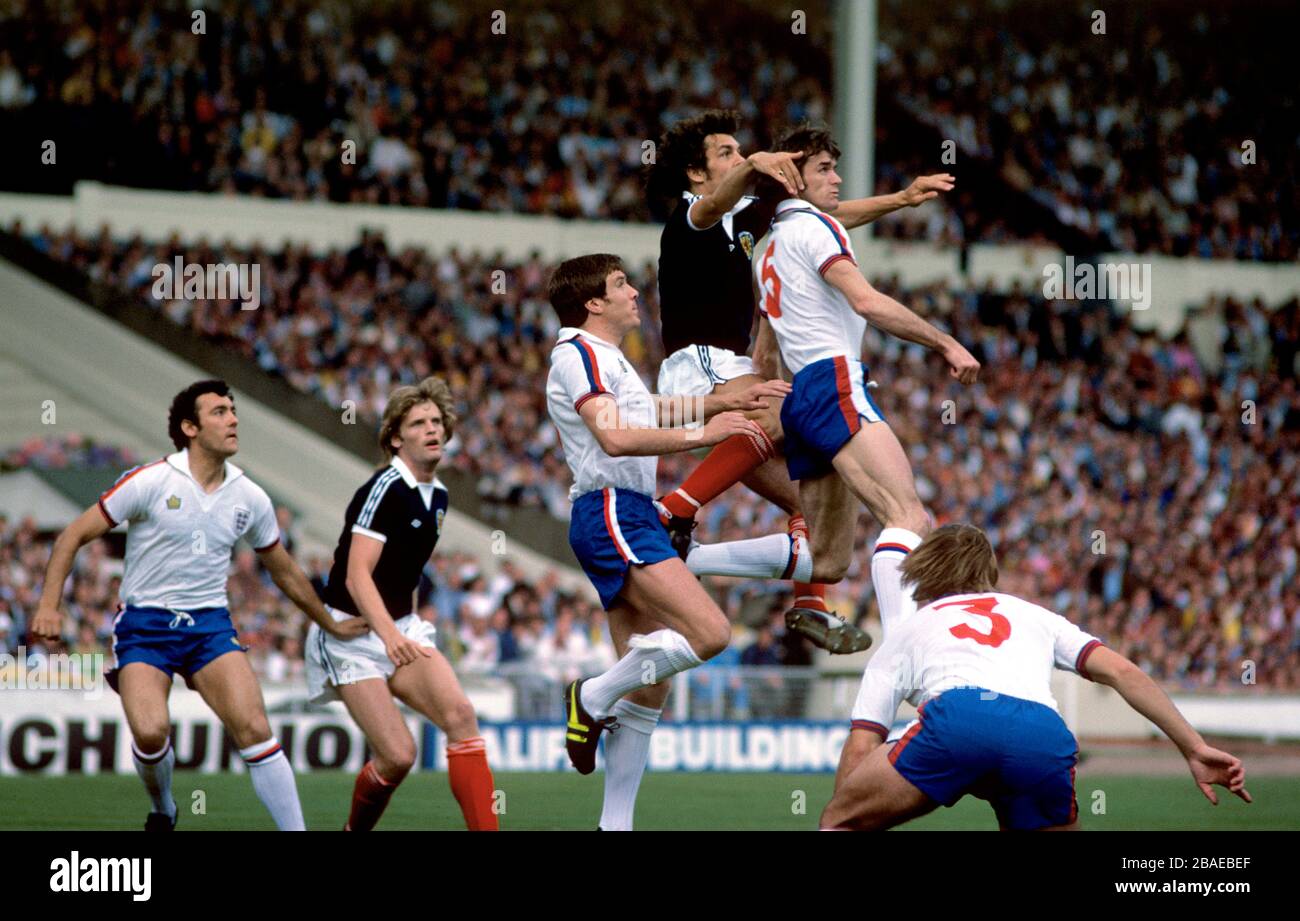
979 664
814 301
185 513
612 429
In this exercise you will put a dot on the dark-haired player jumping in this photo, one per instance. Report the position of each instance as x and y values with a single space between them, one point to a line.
707 313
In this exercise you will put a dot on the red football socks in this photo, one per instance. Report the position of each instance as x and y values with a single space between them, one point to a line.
370 798
807 594
728 464
471 783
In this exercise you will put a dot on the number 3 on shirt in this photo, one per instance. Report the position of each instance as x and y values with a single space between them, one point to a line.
771 304
1001 628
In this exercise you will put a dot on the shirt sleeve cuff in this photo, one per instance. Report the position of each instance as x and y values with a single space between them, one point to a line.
1080 663
107 517
872 726
834 259
374 535
587 396
269 546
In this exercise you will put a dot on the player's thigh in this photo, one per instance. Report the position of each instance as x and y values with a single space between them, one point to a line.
678 601
144 689
429 686
874 796
624 622
227 685
875 467
831 513
371 706
769 418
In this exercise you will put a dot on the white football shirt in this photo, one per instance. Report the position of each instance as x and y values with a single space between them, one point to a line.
584 367
179 538
988 640
812 320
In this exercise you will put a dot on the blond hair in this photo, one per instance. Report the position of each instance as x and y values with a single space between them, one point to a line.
956 559
402 400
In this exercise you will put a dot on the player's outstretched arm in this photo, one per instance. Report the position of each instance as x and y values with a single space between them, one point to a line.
363 557
858 211
783 167
617 439
291 580
90 524
1208 765
673 410
883 311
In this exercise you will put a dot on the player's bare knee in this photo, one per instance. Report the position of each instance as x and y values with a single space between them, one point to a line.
829 569
711 638
461 721
395 759
250 731
151 739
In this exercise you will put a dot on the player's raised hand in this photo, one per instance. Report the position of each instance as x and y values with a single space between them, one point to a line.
403 651
48 623
349 628
756 397
724 425
783 167
924 188
961 363
1211 766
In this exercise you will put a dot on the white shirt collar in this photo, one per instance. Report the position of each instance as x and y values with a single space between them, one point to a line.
568 332
404 472
181 461
794 204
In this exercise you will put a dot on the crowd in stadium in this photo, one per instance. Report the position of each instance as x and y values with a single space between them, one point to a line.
1081 428
553 116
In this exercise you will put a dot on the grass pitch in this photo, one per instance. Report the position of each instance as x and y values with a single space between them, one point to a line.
568 801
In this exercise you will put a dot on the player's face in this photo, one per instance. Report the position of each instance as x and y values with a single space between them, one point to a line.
821 182
721 156
217 429
422 436
619 303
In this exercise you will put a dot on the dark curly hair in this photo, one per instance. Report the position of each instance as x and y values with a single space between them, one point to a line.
682 148
185 408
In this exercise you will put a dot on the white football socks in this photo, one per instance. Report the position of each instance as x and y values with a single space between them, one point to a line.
627 749
895 602
649 660
776 556
156 772
274 784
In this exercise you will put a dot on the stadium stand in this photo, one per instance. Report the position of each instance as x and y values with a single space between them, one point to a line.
551 122
1147 447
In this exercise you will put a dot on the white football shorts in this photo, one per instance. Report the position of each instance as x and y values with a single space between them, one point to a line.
332 662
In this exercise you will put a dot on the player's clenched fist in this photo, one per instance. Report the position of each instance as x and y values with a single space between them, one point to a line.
962 363
48 623
724 425
756 397
404 651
